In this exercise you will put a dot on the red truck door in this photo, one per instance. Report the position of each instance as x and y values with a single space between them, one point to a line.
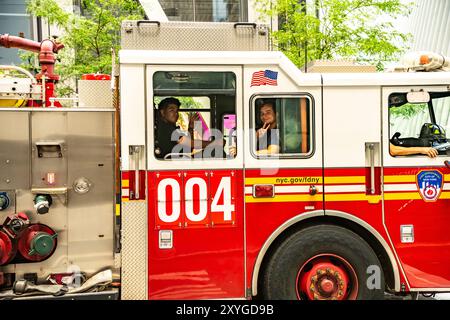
416 188
195 207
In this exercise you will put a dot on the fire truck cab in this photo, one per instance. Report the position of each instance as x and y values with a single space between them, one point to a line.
306 185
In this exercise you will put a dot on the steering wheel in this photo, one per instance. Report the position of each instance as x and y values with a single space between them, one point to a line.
394 139
443 146
178 156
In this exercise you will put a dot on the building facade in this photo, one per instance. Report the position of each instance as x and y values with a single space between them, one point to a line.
205 10
14 20
429 24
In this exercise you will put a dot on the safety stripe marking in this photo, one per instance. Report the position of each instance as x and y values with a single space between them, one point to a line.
331 180
407 178
279 180
408 187
125 190
305 180
128 200
305 189
286 198
411 196
343 197
344 188
393 179
400 187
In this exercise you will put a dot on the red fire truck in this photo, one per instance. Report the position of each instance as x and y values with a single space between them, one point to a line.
350 203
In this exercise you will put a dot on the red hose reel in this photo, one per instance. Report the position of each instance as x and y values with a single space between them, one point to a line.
37 242
7 249
21 241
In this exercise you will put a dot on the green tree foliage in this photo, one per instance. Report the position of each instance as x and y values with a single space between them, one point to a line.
186 102
88 38
408 110
330 29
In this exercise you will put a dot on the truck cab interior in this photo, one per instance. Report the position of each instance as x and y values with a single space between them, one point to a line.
420 119
207 110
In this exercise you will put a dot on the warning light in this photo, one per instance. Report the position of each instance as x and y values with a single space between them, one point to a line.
263 191
424 59
50 178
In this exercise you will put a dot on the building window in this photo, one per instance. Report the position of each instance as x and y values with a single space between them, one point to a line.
205 10
14 20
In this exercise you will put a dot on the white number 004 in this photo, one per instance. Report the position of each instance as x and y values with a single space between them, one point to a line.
169 217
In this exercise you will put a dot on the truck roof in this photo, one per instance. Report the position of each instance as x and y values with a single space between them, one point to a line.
273 59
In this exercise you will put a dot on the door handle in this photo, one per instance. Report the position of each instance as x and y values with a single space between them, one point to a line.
373 170
372 167
135 153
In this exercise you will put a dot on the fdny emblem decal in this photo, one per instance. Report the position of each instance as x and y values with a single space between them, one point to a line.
430 185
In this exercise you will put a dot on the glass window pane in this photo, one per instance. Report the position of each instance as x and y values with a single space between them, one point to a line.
408 119
442 112
176 80
282 126
203 10
190 112
417 129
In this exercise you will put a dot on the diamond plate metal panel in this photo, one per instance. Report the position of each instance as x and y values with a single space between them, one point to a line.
200 36
134 250
95 93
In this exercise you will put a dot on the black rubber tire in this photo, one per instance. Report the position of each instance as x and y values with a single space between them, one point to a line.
279 282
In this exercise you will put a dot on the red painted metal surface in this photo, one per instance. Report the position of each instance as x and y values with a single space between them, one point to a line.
7 248
263 218
426 261
361 205
95 76
129 185
207 259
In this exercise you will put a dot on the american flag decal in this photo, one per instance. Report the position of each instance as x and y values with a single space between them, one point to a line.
266 77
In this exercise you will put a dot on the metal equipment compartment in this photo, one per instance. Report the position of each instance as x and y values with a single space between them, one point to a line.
57 166
216 36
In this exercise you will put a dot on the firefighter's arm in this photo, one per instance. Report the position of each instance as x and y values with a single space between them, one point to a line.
404 151
198 144
192 143
271 149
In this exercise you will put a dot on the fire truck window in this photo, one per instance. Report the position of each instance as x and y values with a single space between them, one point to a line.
191 111
282 127
419 125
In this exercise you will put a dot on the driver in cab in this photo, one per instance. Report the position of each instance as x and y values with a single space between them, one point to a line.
168 135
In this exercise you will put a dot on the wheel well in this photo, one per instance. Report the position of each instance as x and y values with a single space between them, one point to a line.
371 240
